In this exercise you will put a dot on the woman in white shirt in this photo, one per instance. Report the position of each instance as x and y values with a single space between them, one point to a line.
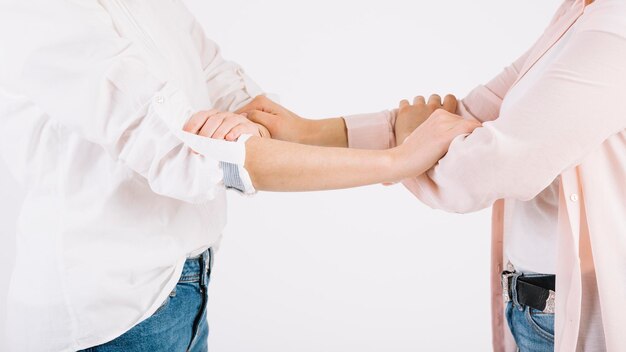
120 213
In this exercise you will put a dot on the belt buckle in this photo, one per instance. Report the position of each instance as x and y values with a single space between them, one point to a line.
549 309
505 286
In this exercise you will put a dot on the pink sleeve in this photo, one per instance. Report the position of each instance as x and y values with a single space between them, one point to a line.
483 103
551 128
376 130
371 131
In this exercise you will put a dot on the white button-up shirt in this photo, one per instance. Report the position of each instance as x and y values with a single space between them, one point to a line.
93 97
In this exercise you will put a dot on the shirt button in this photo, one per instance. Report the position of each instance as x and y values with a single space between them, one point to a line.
160 100
574 197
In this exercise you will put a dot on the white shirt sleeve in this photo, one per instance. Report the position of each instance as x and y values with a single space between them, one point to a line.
107 89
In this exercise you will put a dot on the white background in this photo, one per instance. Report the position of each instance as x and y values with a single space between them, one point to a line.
368 269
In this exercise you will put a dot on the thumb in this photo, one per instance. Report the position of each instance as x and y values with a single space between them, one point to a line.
261 118
466 127
471 125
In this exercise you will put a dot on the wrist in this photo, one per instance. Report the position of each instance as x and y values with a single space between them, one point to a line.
324 133
397 164
309 131
410 160
400 137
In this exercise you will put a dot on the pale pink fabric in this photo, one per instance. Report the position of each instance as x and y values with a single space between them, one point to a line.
570 125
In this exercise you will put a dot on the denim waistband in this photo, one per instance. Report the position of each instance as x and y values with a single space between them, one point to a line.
198 269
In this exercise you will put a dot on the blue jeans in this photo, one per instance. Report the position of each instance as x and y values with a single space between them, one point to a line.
532 329
180 324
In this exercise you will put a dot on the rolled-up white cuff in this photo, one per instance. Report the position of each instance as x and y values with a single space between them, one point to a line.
236 176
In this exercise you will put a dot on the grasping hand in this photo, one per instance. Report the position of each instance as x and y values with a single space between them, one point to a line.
223 125
431 140
412 116
282 124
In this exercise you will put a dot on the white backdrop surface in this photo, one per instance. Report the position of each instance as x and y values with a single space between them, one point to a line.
368 269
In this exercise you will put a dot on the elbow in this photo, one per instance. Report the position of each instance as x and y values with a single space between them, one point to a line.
464 206
466 200
451 199
462 202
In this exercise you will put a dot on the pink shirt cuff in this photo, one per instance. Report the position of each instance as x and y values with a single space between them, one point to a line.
371 131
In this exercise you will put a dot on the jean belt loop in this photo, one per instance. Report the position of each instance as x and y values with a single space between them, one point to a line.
514 297
211 258
202 263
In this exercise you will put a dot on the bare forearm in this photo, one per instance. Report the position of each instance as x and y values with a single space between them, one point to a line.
288 167
326 133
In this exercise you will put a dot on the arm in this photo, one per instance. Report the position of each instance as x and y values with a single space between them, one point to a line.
102 87
285 125
373 130
377 130
483 102
571 110
282 166
380 130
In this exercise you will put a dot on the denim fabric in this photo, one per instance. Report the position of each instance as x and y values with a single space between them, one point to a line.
180 324
532 329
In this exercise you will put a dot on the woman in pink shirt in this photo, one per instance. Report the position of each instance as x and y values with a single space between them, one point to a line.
551 161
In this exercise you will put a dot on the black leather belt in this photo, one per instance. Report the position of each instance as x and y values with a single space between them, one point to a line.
534 291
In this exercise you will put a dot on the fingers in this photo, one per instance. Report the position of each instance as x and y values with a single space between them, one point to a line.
434 100
450 103
419 100
228 124
212 124
243 128
247 128
198 120
265 133
404 103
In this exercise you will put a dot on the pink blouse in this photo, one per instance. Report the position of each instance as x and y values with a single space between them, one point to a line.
571 125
